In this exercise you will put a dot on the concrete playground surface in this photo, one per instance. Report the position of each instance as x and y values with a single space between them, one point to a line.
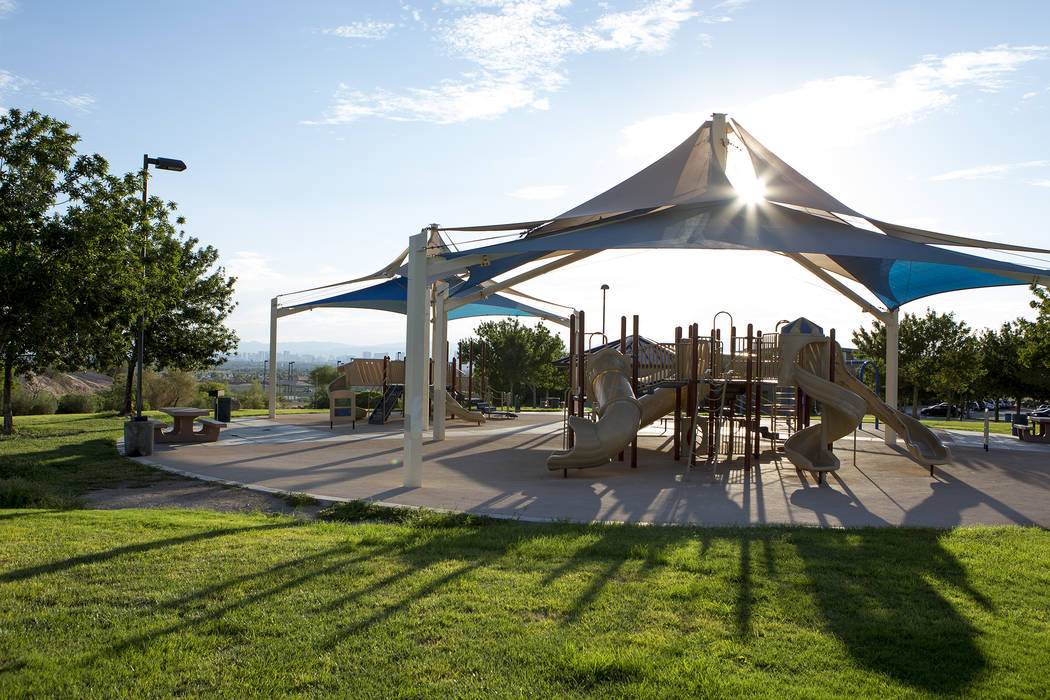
499 468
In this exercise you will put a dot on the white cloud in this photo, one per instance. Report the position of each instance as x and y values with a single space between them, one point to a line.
988 172
1029 95
519 49
649 28
728 7
651 138
540 192
361 30
7 7
1041 183
850 107
253 270
79 102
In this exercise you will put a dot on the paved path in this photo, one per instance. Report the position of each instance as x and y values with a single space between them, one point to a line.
499 468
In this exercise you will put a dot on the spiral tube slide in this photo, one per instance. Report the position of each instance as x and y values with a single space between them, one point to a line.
923 444
842 409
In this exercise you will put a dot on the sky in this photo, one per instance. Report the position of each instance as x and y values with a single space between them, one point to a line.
320 135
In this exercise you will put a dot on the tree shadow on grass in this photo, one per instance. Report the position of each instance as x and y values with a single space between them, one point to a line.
873 589
131 549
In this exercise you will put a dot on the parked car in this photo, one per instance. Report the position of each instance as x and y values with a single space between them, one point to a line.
1042 412
940 410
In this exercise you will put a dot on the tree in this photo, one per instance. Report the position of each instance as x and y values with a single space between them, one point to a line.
1006 373
185 298
1035 350
871 345
937 354
320 377
60 249
517 354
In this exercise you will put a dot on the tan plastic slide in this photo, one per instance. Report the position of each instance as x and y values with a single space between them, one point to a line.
620 414
453 409
922 443
844 403
842 409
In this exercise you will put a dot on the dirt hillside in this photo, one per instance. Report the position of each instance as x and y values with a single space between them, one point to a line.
59 383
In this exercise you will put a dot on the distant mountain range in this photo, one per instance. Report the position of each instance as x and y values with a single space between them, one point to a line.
319 350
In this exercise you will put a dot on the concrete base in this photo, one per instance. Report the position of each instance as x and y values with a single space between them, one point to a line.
138 438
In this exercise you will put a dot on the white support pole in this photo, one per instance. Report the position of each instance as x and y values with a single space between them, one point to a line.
892 353
719 141
273 359
440 356
415 352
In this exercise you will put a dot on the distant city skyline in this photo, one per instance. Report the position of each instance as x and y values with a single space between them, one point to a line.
320 135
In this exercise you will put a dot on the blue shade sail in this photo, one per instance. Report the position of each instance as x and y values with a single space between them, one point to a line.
391 295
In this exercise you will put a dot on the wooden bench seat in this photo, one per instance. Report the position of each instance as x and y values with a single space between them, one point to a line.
209 431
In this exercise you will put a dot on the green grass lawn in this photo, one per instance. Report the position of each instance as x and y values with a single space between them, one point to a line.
161 603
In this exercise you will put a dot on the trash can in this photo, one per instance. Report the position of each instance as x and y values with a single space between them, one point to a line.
223 406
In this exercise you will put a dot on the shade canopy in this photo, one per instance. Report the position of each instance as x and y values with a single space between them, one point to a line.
391 295
685 200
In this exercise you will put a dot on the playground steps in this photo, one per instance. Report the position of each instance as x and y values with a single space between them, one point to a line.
783 409
386 404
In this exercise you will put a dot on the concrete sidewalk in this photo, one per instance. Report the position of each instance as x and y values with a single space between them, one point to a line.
499 468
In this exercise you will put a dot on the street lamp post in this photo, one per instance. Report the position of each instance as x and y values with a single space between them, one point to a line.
291 381
265 363
605 288
161 164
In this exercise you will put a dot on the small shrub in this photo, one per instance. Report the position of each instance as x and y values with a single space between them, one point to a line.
368 399
254 397
77 403
112 399
358 511
32 403
296 500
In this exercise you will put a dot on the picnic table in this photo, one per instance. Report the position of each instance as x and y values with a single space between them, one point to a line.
185 419
1031 434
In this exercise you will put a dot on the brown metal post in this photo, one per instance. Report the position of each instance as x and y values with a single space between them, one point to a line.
581 355
712 447
694 387
572 363
470 374
623 335
677 397
634 388
758 396
831 376
748 403
484 379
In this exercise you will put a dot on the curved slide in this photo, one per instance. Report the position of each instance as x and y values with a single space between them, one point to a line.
453 409
923 445
620 414
842 410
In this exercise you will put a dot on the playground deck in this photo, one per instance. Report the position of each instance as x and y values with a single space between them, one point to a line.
499 469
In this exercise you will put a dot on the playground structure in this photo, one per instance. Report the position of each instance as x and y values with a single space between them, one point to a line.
684 200
725 397
387 378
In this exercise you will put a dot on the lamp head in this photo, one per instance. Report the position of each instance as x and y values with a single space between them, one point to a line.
167 164
604 287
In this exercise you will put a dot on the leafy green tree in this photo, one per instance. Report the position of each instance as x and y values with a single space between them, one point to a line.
1035 350
1007 372
61 252
937 354
320 377
954 359
911 361
184 296
516 354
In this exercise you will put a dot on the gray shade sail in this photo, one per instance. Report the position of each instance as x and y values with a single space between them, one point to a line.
684 200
